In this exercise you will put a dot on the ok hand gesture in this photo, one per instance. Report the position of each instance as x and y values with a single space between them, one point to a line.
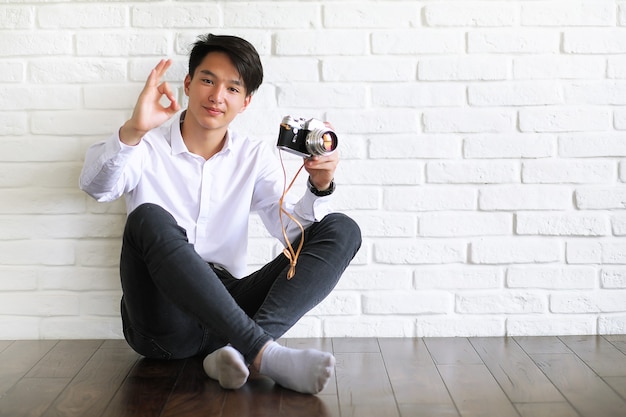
149 112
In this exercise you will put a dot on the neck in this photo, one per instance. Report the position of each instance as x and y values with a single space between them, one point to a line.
200 141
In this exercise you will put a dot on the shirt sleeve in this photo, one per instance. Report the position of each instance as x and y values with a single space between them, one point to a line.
306 210
107 172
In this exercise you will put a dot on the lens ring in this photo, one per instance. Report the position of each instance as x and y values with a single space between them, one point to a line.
321 142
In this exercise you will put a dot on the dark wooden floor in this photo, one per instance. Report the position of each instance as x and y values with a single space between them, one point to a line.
499 377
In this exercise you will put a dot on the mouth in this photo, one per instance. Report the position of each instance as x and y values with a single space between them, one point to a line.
213 111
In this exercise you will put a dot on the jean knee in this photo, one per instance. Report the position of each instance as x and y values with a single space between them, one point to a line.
346 231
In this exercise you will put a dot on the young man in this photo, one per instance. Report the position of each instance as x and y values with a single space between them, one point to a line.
190 185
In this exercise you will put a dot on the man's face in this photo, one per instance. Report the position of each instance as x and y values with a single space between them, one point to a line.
216 92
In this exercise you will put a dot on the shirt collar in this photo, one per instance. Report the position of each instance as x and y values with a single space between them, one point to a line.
178 144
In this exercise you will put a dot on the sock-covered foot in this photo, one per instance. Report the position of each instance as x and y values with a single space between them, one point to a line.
306 371
227 366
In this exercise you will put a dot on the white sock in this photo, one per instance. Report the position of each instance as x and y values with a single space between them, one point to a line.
306 371
227 366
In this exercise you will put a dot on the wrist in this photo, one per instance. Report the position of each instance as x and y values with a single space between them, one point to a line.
130 135
322 191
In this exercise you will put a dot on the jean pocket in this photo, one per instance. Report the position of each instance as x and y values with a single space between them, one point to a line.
145 346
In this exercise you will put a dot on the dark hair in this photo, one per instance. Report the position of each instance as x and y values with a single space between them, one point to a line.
243 55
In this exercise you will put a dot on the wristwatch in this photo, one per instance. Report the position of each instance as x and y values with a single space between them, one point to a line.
329 191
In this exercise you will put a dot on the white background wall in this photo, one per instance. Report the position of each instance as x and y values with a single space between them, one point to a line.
483 149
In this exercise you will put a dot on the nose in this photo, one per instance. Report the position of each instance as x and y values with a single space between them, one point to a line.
217 94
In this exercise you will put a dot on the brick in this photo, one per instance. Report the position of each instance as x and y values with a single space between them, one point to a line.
111 97
601 197
318 95
525 197
562 224
41 202
583 252
387 224
61 175
619 119
388 121
517 93
82 16
98 253
465 224
327 42
564 119
465 120
375 279
429 198
15 278
418 95
420 41
290 69
568 171
458 326
369 326
20 328
596 92
417 252
473 13
395 14
463 68
458 278
369 68
73 278
558 67
584 13
101 303
380 172
179 15
81 328
407 302
594 41
616 67
613 277
550 277
507 302
587 145
357 198
472 172
17 17
267 15
21 43
78 70
509 146
307 327
92 122
39 98
121 44
13 123
37 252
514 250
62 226
38 304
550 325
11 72
601 301
415 146
518 41
611 324
618 223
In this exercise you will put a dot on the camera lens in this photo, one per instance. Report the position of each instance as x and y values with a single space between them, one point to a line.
321 141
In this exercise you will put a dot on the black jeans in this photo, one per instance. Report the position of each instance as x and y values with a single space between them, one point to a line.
176 305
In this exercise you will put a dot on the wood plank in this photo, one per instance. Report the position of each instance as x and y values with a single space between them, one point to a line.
600 355
93 387
363 387
195 394
515 371
356 344
617 340
618 383
30 397
586 391
18 358
541 344
5 344
562 409
65 359
414 378
428 410
146 389
475 392
452 351
259 397
294 404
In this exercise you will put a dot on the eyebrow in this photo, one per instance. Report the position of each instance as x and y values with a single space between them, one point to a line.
207 72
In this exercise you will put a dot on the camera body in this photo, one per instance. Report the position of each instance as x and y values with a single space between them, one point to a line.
306 138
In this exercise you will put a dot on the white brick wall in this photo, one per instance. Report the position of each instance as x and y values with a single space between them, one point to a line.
483 153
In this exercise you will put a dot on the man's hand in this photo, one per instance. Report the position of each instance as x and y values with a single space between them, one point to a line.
321 169
149 112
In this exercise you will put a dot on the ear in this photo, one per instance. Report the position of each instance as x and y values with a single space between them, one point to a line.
186 84
246 102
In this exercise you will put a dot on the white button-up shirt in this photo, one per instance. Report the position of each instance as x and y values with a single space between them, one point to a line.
211 199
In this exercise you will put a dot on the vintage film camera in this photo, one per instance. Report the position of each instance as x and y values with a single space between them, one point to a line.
306 138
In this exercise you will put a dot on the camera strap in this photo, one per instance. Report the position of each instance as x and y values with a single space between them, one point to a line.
291 253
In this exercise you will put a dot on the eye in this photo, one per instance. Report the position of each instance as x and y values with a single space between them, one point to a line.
207 81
